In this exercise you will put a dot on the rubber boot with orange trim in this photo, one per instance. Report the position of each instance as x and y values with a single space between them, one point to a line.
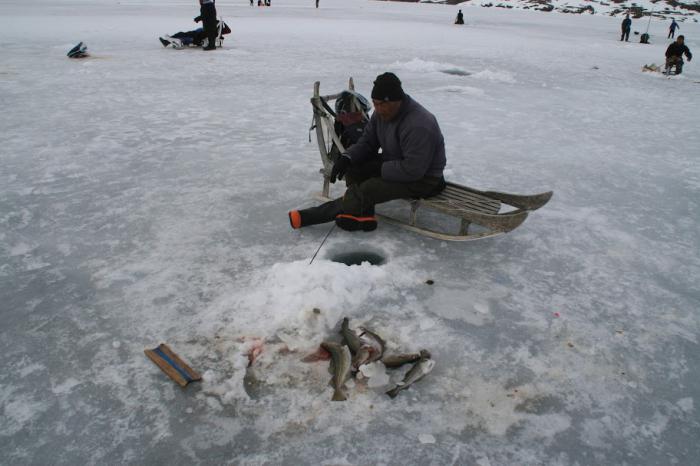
324 213
354 223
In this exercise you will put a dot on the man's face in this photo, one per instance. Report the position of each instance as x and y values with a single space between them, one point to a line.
386 110
680 40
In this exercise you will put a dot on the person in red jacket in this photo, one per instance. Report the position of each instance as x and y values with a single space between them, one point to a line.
674 55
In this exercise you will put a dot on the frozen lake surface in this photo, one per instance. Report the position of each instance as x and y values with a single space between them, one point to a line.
143 199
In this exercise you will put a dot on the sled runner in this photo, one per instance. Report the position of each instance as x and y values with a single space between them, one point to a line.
487 209
654 68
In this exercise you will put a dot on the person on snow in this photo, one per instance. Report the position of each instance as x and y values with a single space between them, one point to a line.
626 27
195 37
460 18
674 55
672 29
410 164
207 15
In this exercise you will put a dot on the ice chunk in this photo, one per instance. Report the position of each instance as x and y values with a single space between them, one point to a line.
426 438
376 373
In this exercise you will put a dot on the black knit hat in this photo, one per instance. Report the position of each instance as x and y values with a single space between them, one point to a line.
387 87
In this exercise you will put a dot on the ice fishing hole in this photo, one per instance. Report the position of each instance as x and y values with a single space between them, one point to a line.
456 72
358 257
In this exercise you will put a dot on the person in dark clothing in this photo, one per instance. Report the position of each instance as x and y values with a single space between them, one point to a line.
674 55
410 164
195 37
626 27
460 18
207 15
672 29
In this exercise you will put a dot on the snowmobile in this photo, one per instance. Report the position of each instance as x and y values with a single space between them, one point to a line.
481 214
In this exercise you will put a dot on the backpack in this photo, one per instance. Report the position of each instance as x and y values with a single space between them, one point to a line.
351 116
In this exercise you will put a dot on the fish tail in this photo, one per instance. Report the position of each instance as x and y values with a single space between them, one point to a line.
393 392
339 395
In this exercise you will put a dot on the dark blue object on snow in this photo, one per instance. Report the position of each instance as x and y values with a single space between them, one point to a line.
79 51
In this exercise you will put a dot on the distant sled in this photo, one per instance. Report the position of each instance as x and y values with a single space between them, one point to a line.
481 214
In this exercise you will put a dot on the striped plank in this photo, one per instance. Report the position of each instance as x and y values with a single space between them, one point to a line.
172 365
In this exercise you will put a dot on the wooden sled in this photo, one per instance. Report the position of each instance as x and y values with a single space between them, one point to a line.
487 209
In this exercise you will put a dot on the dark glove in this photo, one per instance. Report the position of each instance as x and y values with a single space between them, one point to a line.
340 167
197 19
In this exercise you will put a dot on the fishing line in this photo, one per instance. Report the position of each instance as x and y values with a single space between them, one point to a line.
322 242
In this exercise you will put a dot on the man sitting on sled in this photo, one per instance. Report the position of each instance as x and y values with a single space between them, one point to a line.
674 55
195 37
410 164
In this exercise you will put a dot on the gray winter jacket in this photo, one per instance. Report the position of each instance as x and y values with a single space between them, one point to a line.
412 144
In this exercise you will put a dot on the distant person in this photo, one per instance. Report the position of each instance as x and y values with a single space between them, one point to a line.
626 28
409 166
460 18
316 3
674 55
251 3
195 37
207 15
672 29
644 39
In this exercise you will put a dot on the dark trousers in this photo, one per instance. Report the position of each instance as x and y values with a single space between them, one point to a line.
625 35
366 188
671 33
674 61
208 11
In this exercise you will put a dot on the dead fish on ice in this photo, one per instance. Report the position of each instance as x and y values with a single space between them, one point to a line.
367 347
350 337
398 360
375 343
340 358
417 372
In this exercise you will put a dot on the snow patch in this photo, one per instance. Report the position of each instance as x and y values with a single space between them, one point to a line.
686 404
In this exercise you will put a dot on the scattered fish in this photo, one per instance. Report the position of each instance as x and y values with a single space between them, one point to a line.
366 348
375 343
361 357
350 337
398 360
340 358
417 372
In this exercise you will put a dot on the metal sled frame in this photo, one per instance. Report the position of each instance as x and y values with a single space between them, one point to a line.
467 204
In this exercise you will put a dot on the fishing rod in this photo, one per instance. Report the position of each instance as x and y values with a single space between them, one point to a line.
322 243
649 23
